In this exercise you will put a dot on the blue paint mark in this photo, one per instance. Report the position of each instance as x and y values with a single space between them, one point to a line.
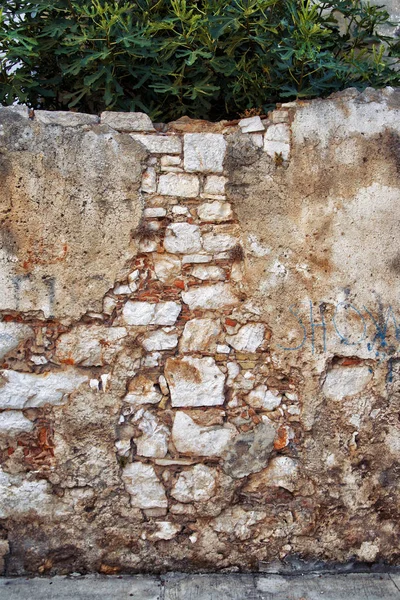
344 339
390 370
382 324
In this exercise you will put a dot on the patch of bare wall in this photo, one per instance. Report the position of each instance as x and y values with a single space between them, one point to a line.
199 339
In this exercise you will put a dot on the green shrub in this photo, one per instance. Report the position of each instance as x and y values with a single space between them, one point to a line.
202 58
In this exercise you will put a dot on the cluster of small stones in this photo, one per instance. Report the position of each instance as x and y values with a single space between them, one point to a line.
204 414
205 389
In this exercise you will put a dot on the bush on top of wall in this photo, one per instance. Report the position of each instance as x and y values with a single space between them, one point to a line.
202 58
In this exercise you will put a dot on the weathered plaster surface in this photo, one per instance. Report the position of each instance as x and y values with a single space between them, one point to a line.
65 193
199 339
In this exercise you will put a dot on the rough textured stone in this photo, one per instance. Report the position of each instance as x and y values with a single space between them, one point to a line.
249 337
22 495
197 484
11 334
281 472
20 110
127 121
28 390
179 184
166 530
251 125
200 335
143 486
183 238
219 242
170 161
238 521
146 313
223 349
263 398
159 144
215 185
64 118
13 422
65 192
277 140
190 438
166 266
180 210
215 212
142 390
153 443
215 296
155 212
208 272
149 181
90 345
279 116
160 340
194 381
346 381
257 139
204 152
249 452
196 258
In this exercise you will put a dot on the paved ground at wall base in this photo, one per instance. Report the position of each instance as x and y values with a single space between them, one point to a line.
206 587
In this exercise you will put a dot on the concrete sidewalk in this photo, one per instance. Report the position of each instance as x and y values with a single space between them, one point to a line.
205 587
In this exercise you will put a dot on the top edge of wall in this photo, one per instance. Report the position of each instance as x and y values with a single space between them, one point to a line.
129 122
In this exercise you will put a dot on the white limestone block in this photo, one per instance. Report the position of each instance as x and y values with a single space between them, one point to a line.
127 121
198 440
219 242
251 125
13 422
182 238
179 184
200 335
160 340
147 313
149 180
143 486
263 398
196 484
204 152
248 338
194 381
90 345
31 390
154 213
11 334
166 266
215 185
208 272
215 296
158 144
153 443
215 212
277 140
346 381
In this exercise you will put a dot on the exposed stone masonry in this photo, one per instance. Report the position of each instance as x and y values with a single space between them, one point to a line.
170 426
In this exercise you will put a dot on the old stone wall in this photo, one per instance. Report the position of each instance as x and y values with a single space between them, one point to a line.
199 339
